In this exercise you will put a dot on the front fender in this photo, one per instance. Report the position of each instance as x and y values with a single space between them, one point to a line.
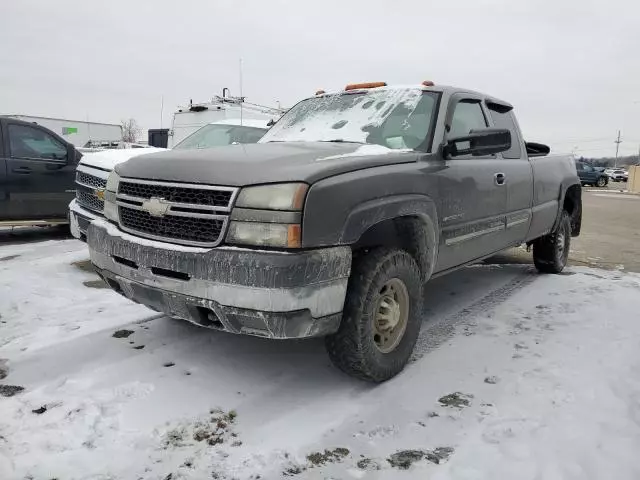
375 211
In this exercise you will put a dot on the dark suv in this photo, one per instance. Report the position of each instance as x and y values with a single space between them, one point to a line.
590 176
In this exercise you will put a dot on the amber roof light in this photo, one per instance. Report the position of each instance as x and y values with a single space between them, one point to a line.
358 86
428 83
320 92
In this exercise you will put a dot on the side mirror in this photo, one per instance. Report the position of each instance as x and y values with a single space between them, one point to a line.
71 154
485 141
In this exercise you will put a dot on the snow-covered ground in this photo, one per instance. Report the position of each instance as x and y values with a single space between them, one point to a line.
516 376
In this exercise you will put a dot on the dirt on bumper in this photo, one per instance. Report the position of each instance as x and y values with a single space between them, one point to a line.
265 293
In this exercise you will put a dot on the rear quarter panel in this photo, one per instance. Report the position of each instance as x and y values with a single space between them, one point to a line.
552 175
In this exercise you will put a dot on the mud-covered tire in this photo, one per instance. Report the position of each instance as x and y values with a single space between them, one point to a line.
352 348
551 252
601 182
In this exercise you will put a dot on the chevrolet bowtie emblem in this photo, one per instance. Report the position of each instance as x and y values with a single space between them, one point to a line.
100 194
156 206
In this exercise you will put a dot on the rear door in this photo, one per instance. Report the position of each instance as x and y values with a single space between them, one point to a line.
40 177
472 199
517 175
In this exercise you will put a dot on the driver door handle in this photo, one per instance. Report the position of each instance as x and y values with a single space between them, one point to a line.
22 170
499 178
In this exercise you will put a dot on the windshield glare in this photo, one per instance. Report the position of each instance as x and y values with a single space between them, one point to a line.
217 135
394 118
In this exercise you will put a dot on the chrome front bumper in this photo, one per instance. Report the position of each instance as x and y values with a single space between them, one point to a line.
265 293
79 220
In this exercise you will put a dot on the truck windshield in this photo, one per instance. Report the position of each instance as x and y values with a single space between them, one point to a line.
394 118
219 135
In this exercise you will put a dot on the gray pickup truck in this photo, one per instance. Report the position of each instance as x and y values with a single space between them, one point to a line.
332 224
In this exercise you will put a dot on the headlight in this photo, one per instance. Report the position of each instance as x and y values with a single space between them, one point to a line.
110 207
268 216
283 196
264 234
112 182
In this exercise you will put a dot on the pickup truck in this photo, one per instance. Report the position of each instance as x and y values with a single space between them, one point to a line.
37 170
332 224
94 168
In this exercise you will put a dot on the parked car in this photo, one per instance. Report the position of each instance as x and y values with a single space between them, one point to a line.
37 170
91 178
590 176
332 223
618 175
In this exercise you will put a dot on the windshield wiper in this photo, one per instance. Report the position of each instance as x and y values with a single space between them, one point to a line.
339 140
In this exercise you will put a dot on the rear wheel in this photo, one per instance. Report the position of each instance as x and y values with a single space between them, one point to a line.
601 182
381 319
551 252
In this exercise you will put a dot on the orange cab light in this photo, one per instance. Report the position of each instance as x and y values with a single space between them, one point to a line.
428 83
357 86
320 92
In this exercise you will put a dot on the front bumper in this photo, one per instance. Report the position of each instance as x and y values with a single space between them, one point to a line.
79 220
265 293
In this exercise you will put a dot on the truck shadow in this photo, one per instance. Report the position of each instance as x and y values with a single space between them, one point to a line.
21 235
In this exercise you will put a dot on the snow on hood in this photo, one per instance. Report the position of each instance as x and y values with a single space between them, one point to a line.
108 159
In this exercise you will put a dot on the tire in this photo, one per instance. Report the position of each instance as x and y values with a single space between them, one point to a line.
601 182
551 252
358 348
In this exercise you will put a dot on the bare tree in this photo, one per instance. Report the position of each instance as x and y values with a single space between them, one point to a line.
130 130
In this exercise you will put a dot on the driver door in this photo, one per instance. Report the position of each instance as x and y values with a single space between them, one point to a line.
40 179
472 195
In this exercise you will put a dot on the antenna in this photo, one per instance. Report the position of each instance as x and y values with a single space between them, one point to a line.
161 109
241 99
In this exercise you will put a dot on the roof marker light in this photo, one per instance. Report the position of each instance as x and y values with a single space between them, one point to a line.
357 86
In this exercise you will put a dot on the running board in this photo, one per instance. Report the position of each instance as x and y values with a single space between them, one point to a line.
33 223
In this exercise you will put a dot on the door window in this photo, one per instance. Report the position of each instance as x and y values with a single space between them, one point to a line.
467 116
505 120
31 142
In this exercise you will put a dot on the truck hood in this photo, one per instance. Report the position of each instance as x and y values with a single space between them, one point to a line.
108 159
250 164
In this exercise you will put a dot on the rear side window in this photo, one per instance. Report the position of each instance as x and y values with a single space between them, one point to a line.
31 142
505 120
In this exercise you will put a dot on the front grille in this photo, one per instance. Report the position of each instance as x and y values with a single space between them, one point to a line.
90 180
175 193
88 199
172 227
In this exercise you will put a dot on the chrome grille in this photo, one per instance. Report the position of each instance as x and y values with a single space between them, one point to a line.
87 198
188 214
177 193
178 228
88 180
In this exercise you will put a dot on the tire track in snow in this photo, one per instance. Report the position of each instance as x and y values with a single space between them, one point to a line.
436 331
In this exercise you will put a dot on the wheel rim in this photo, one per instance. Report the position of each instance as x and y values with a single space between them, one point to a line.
601 182
391 315
561 243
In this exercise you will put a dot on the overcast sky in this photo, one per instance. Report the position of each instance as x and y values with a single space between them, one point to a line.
570 67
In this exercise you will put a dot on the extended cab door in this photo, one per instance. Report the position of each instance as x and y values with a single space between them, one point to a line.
39 175
472 199
517 175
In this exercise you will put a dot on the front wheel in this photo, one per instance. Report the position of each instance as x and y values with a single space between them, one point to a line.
381 319
601 182
551 252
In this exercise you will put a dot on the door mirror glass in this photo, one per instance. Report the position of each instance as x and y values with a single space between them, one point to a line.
480 142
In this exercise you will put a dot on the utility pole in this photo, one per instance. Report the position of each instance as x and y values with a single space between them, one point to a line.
617 142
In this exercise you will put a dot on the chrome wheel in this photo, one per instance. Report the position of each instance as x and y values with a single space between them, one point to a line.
391 314
560 244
